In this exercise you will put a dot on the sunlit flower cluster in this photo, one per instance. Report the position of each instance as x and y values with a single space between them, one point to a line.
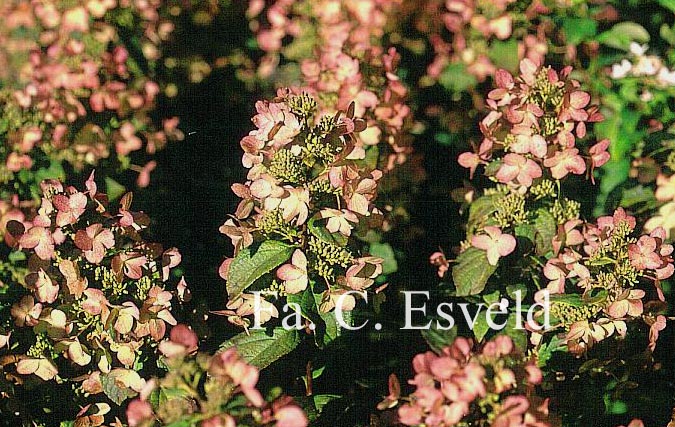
338 47
665 218
491 386
308 187
73 89
214 391
605 263
537 126
94 302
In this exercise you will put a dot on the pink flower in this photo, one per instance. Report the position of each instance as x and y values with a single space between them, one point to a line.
535 144
657 326
290 416
294 274
69 208
470 161
564 162
495 243
295 205
94 241
628 304
40 240
643 254
599 154
519 168
26 312
361 275
45 289
666 188
339 221
138 412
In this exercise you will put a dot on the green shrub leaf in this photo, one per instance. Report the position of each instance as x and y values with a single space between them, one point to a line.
252 263
261 349
472 272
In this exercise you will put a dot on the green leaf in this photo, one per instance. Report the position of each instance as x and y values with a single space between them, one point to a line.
579 29
471 272
16 256
519 336
111 387
504 54
668 4
512 289
635 195
384 251
251 263
623 34
439 338
321 400
546 228
113 189
546 350
67 424
481 327
481 208
455 78
54 171
574 300
322 233
260 349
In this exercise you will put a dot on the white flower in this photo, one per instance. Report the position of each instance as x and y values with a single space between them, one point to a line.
666 76
637 49
621 70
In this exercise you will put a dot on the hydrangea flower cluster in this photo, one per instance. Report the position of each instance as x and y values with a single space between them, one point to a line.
308 193
536 124
74 90
209 391
532 139
351 65
595 270
460 386
604 264
94 302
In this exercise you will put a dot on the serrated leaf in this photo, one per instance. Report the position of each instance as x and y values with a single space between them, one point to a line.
546 228
251 263
384 251
471 272
260 349
481 327
439 338
546 350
